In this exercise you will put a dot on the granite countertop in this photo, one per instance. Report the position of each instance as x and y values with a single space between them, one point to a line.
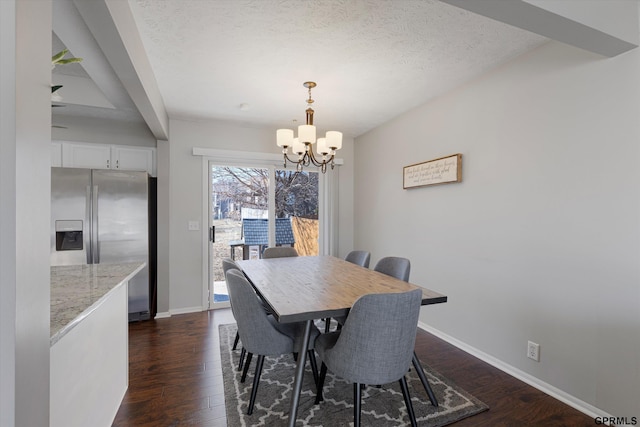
77 289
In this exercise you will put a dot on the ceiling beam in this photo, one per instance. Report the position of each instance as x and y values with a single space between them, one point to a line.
608 28
112 24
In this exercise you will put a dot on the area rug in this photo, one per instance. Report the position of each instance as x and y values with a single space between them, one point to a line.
382 406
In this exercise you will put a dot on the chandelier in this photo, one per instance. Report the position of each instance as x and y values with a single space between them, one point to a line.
303 144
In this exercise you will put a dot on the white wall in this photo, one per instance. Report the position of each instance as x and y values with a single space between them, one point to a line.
102 131
541 240
25 76
185 195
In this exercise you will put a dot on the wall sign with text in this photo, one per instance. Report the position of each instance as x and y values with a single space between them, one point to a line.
444 170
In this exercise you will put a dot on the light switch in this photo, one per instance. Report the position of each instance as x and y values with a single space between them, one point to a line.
194 225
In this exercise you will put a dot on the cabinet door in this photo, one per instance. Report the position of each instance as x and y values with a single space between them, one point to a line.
56 154
94 156
133 158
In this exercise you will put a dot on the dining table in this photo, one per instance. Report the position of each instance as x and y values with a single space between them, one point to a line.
307 288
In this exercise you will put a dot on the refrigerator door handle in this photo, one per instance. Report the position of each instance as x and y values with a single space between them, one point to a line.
95 226
88 227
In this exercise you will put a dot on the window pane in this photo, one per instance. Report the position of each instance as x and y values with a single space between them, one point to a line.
297 200
238 195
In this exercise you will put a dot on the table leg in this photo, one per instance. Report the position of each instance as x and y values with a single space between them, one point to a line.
297 383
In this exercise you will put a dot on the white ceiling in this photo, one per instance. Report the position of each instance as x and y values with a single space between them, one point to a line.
372 59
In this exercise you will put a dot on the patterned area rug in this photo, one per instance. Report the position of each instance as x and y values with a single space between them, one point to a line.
380 406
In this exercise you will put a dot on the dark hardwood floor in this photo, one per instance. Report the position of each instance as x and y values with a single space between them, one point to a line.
175 379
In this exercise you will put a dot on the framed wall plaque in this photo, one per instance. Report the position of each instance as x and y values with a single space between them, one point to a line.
444 170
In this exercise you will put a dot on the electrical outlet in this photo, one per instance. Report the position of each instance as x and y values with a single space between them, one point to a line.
533 351
194 226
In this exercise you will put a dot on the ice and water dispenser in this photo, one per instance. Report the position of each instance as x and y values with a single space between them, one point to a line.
69 235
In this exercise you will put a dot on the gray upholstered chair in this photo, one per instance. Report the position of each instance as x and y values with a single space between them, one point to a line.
373 352
229 264
394 266
400 268
391 266
360 258
279 252
262 334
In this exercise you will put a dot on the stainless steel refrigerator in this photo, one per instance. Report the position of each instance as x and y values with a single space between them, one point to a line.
102 216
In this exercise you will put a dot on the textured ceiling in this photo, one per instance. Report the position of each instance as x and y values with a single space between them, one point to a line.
372 59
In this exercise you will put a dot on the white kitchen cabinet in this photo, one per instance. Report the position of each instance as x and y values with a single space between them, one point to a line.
94 156
132 158
103 156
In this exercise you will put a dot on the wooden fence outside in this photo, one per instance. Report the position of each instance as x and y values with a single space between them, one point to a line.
306 233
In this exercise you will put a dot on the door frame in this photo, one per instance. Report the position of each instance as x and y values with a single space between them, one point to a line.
327 200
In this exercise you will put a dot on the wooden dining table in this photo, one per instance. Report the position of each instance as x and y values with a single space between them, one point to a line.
306 288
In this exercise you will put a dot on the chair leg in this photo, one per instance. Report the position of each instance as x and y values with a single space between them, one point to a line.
357 398
327 325
256 381
320 383
235 342
407 401
423 380
242 354
314 365
246 367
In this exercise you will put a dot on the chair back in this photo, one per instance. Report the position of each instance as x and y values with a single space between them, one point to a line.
360 258
228 264
395 267
376 343
280 252
257 333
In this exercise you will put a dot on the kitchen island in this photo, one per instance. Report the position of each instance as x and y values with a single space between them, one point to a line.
89 342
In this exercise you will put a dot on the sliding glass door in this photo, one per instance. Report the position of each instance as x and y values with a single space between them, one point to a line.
247 213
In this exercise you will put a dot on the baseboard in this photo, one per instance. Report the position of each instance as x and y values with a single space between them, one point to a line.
186 310
552 391
167 314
